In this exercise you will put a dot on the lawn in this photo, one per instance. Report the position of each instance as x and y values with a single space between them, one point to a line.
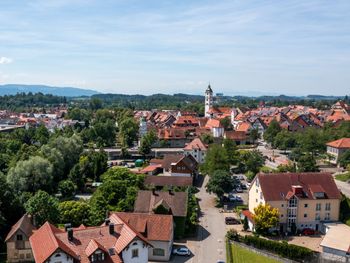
343 177
242 255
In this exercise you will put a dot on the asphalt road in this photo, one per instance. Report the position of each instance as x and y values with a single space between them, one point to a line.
344 187
209 245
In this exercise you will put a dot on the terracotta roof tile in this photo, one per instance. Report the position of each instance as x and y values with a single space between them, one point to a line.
168 180
24 224
341 143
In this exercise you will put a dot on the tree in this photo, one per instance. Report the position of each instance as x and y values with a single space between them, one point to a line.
95 103
31 175
265 217
254 135
42 135
312 141
245 224
207 138
226 123
307 163
344 159
231 150
216 159
146 142
271 131
56 159
70 149
128 130
10 208
67 189
74 212
220 182
285 140
252 161
43 207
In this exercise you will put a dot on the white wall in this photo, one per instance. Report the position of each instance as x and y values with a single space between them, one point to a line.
143 252
60 257
167 246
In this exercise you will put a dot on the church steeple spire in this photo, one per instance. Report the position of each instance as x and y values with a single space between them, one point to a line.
208 100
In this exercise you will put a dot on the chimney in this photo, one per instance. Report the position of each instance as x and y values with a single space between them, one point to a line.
67 226
170 191
154 191
70 234
107 221
111 228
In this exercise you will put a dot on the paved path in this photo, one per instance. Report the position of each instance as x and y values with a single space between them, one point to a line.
209 245
344 187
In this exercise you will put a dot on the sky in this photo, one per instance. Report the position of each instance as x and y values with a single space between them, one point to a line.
292 47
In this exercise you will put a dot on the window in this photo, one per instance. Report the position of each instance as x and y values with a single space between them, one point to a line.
57 255
98 256
158 252
261 195
317 216
257 190
28 256
281 215
305 215
328 206
19 237
327 216
282 205
305 205
135 253
256 200
318 207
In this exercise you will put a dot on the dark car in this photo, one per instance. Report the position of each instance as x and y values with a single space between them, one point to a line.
308 232
231 221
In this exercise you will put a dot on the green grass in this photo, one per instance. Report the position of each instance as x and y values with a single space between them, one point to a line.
242 255
343 177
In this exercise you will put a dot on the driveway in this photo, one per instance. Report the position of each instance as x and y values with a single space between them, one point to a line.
344 187
209 245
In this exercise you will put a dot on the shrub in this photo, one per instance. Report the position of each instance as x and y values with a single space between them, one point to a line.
283 249
232 234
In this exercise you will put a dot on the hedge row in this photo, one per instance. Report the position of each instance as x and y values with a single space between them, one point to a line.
283 249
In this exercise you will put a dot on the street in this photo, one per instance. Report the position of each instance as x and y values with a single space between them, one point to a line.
209 245
344 187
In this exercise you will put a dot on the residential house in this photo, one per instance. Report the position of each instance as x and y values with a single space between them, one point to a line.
157 229
169 181
304 200
17 240
177 165
216 128
239 137
197 149
174 203
337 148
107 243
336 243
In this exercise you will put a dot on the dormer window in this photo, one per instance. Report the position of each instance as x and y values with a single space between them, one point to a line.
97 256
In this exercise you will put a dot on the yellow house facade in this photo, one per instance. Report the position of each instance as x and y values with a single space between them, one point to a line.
305 200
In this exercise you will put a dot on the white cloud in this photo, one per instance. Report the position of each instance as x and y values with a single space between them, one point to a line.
5 60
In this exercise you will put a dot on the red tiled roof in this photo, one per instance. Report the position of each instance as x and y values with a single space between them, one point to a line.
341 143
249 215
236 135
276 187
153 227
168 180
151 168
48 239
196 144
213 123
244 126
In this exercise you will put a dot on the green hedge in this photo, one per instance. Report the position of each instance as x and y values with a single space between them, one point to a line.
283 249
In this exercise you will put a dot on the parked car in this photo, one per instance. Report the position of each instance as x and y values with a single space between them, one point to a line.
308 232
235 198
239 190
220 261
244 187
240 177
183 251
231 221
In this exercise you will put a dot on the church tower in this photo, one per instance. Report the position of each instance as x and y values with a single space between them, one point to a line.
208 101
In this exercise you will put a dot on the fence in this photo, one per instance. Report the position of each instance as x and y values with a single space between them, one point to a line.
262 252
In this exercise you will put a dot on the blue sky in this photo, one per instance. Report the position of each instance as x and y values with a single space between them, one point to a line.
241 47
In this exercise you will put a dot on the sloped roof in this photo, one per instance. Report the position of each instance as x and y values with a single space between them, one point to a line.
213 123
236 135
146 201
49 239
153 227
276 186
24 224
168 180
244 126
196 144
341 143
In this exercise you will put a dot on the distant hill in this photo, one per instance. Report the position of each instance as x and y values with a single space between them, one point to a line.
12 89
